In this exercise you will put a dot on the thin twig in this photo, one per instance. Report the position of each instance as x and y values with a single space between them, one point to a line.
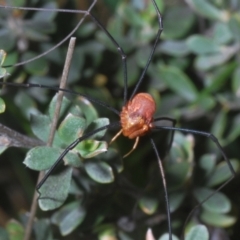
12 138
51 134
86 13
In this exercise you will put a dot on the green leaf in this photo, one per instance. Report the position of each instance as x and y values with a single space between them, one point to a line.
234 130
206 9
165 236
222 33
98 123
207 163
3 55
236 82
174 48
179 82
73 159
148 204
202 45
42 158
206 62
77 64
205 102
3 71
10 59
108 231
65 106
198 232
71 128
182 150
42 229
7 40
222 173
46 16
2 105
234 25
86 29
217 219
69 217
19 3
100 172
177 174
55 190
218 203
36 67
91 148
219 125
87 108
40 125
131 15
183 16
15 230
40 25
3 234
220 78
23 99
113 158
175 200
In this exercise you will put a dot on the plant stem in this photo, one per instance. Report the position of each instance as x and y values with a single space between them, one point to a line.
63 82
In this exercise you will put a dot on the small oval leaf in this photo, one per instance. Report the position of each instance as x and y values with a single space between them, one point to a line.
2 105
148 204
217 219
71 217
198 232
15 230
218 203
99 171
41 158
206 9
37 67
175 200
202 45
222 173
98 123
91 148
179 82
55 190
71 128
165 236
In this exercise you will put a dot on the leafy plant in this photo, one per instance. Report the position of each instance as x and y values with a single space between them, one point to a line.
194 77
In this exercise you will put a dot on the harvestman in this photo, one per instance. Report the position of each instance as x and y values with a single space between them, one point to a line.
136 116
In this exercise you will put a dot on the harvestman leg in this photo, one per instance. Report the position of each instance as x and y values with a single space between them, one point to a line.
160 29
120 50
215 140
56 89
169 119
86 13
164 187
208 135
173 121
70 147
125 91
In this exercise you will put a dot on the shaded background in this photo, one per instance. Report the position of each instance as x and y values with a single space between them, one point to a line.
194 77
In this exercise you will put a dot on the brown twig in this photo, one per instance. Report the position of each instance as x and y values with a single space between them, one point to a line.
51 134
11 138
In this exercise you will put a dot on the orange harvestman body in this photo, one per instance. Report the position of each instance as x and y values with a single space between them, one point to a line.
136 117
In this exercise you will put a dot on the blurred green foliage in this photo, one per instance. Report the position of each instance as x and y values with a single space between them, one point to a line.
194 77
